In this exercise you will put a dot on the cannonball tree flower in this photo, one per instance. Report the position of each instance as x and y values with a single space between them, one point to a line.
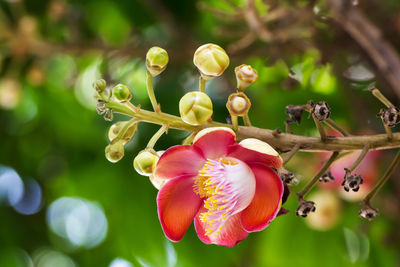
228 189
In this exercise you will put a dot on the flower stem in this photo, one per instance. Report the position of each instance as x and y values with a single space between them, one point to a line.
378 94
388 131
246 120
189 139
291 153
357 162
321 130
318 175
157 136
202 84
124 129
150 92
331 123
383 179
235 122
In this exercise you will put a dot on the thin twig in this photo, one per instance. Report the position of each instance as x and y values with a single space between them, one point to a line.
383 179
157 136
246 120
331 123
357 162
318 175
378 94
291 153
320 128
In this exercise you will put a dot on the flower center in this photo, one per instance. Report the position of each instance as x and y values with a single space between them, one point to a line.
227 186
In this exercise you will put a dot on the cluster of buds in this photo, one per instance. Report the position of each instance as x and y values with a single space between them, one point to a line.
351 181
390 116
326 177
305 207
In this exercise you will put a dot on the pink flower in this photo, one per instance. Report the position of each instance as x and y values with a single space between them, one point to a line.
228 189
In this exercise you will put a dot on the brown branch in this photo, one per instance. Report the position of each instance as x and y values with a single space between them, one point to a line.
370 38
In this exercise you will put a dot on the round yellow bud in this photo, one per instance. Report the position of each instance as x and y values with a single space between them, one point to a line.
157 182
245 76
195 108
122 92
117 127
238 104
115 151
100 85
156 60
145 162
211 60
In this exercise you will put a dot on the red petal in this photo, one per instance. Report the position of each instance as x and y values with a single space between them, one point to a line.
214 142
266 202
253 157
179 161
177 205
232 232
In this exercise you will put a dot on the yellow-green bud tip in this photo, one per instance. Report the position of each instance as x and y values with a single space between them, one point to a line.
211 60
115 151
156 60
245 76
100 85
145 162
117 127
195 108
121 92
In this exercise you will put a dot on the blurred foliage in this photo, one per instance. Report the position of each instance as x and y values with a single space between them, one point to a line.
50 53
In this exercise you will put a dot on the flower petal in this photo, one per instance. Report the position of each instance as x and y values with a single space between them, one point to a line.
214 142
179 161
255 151
266 201
177 205
232 232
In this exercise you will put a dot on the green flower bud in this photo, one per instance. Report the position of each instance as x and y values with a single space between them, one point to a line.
122 92
100 85
156 60
195 108
157 182
211 60
238 104
117 127
245 76
115 151
145 162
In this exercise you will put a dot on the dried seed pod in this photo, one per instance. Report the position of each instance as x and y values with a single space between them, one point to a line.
101 106
156 60
305 207
288 177
195 108
390 116
211 60
238 104
122 93
145 162
352 181
245 76
321 111
115 151
109 116
368 213
295 113
327 177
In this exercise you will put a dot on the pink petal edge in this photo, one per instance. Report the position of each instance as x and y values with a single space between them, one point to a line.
254 157
177 205
179 161
267 199
216 143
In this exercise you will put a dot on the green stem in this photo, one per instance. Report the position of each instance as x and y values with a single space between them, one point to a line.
388 131
362 155
291 153
383 179
336 127
235 122
189 139
323 170
150 92
202 84
321 130
246 120
381 97
157 136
